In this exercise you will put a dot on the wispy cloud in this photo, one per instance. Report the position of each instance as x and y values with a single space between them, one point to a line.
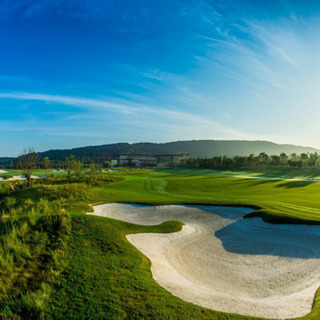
71 101
280 39
256 52
153 114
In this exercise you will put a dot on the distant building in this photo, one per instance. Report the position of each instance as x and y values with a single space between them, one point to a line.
171 159
144 160
113 163
53 163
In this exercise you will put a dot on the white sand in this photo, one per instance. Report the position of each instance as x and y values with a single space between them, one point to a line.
20 177
226 263
3 171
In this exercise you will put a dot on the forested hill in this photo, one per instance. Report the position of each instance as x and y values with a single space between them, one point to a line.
6 161
195 148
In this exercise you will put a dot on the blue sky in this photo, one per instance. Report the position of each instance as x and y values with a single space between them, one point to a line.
76 73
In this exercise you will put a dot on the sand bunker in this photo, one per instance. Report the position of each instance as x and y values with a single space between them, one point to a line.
226 263
20 177
3 171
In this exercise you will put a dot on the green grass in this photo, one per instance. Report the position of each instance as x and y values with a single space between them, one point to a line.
281 173
279 200
105 277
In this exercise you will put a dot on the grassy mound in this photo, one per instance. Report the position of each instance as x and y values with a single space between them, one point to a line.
107 278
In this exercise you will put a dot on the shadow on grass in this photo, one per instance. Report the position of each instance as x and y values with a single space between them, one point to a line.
255 182
290 173
255 237
256 172
295 184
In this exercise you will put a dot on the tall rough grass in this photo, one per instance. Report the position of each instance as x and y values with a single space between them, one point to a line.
34 229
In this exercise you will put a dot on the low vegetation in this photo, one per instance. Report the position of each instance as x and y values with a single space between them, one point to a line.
58 263
34 230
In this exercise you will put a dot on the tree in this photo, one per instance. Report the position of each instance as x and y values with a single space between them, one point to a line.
77 167
263 158
294 157
106 164
304 159
28 161
93 167
283 159
251 160
275 160
46 163
72 165
313 159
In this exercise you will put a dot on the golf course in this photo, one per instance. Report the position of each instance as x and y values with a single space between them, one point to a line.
159 160
95 269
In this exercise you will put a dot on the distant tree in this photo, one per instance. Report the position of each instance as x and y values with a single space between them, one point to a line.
283 159
304 159
294 160
294 157
59 164
46 163
72 165
251 160
106 164
263 158
77 167
68 164
28 161
318 160
237 162
92 167
313 159
275 160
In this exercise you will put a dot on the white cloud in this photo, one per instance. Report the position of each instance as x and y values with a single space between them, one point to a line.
153 115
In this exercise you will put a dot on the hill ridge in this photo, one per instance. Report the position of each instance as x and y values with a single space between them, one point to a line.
195 148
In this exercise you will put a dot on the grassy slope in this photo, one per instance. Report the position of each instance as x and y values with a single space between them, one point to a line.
107 278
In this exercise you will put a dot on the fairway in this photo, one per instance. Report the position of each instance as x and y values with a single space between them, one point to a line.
283 200
279 201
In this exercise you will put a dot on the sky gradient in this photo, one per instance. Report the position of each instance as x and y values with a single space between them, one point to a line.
76 73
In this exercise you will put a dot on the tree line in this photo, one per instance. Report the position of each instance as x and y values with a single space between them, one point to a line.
29 161
302 160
